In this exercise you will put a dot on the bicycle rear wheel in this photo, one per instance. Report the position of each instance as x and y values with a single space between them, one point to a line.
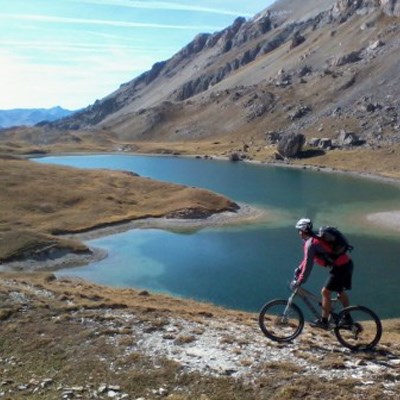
358 328
280 322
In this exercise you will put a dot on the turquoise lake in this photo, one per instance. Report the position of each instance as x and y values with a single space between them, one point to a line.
241 267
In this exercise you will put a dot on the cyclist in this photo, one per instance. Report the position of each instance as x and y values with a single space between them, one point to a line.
318 251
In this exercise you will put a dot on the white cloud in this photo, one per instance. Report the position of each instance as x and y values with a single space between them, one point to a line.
73 47
165 5
104 22
28 85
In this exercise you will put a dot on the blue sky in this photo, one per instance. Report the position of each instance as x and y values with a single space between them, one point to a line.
72 52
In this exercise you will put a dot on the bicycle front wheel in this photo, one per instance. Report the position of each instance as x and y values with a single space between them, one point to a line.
358 328
280 322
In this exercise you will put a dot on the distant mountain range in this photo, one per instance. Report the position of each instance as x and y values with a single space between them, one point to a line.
31 116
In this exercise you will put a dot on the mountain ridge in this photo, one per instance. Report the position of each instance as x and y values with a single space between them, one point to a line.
251 77
31 116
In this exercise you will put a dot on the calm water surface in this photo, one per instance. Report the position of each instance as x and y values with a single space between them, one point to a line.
242 267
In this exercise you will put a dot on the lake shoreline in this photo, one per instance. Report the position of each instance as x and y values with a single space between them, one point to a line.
246 214
387 220
280 164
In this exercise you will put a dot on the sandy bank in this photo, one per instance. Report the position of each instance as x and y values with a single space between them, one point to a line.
387 219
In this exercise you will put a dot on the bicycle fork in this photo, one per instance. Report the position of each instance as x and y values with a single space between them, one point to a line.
288 305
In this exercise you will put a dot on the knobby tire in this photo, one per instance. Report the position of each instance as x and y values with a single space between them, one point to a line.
364 333
278 327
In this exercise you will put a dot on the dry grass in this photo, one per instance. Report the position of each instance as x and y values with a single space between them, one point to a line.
42 339
19 243
39 201
383 161
60 330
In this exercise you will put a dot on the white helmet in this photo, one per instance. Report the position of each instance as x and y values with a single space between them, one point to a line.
304 224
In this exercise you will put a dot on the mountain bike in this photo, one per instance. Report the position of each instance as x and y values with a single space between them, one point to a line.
355 327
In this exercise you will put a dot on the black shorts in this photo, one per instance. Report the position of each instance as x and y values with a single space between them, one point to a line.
340 278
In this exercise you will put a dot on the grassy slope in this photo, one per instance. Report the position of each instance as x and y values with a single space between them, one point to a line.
38 201
73 334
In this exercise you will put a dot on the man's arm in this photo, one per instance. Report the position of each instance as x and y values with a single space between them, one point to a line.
307 264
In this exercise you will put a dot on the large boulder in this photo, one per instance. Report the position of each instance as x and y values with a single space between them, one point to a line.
290 145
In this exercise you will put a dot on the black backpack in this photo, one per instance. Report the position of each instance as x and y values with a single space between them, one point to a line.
335 239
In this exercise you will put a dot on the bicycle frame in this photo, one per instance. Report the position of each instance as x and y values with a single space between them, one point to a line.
310 300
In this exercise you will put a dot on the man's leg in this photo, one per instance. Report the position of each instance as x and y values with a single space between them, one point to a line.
326 309
326 303
344 299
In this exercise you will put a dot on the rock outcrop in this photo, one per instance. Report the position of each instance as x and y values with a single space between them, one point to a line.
283 70
346 8
290 145
390 7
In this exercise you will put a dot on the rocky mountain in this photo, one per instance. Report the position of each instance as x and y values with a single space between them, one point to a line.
324 69
30 116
